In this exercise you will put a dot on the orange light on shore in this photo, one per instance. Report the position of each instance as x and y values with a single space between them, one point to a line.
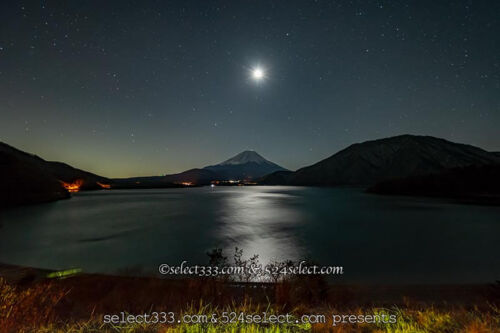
74 186
105 186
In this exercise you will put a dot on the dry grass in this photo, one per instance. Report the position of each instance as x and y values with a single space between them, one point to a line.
78 304
30 306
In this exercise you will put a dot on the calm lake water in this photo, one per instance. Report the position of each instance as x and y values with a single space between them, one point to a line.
375 238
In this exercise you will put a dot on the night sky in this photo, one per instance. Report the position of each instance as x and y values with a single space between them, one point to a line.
130 88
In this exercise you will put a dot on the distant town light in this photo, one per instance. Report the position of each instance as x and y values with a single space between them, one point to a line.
104 186
74 186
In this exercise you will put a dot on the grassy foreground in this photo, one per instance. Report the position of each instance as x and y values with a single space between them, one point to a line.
410 320
79 303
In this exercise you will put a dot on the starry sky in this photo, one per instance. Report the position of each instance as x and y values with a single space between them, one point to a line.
132 88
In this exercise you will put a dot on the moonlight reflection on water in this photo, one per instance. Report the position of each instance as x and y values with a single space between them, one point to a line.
260 223
375 238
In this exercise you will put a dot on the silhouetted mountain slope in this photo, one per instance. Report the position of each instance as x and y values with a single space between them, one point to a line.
58 170
245 165
370 162
25 183
479 184
195 176
276 178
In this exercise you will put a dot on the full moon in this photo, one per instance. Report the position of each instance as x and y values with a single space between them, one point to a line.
258 74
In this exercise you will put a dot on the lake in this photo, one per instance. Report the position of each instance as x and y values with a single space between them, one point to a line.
377 239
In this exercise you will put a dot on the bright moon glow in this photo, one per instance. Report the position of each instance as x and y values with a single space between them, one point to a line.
258 74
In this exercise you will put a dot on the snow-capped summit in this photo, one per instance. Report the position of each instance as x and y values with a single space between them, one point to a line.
246 165
245 157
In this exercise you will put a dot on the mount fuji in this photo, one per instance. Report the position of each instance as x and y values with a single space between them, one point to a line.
246 165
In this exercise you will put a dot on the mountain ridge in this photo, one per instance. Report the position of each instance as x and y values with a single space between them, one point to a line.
26 178
60 170
372 161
